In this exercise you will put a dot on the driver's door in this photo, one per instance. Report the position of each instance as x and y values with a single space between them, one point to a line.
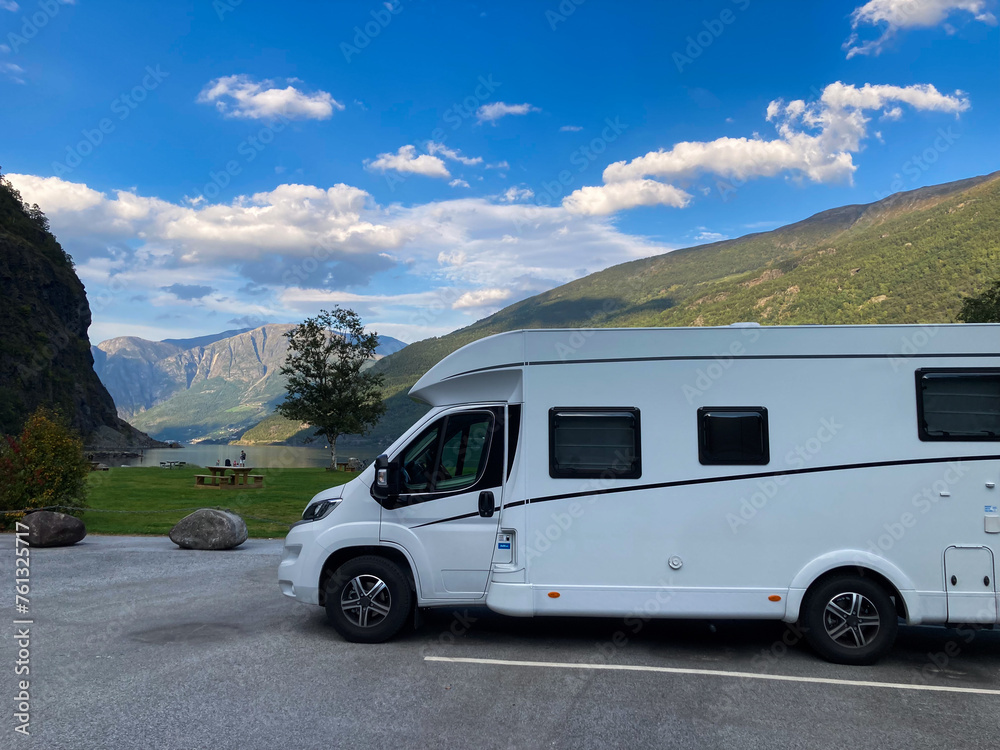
448 511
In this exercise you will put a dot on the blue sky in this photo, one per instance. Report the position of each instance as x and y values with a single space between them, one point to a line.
218 164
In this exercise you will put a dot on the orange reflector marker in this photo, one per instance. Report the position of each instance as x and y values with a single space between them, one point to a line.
553 595
774 598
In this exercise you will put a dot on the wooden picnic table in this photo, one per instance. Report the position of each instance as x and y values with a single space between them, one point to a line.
240 477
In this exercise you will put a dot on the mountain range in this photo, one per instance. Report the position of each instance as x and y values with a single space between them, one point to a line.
207 388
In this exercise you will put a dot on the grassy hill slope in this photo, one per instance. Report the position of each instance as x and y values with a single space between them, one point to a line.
906 259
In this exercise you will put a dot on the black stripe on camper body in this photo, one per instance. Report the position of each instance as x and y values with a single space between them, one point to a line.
453 518
763 475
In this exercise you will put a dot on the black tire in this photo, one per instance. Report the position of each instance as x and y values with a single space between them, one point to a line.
849 620
368 599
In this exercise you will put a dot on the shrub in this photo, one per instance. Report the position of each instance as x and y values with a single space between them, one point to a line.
43 466
983 308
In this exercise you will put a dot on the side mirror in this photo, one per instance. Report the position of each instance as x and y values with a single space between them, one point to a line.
386 485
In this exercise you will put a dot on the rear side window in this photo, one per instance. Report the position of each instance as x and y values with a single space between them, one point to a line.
735 435
958 404
594 443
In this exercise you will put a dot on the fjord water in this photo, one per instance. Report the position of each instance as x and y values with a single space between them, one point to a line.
260 457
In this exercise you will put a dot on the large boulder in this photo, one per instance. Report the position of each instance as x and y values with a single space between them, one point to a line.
47 528
209 528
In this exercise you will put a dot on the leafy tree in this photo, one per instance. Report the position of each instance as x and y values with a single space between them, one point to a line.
43 466
326 385
983 308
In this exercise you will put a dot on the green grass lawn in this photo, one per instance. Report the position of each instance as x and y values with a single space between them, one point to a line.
140 490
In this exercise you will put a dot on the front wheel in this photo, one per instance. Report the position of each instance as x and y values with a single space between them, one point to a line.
850 620
368 599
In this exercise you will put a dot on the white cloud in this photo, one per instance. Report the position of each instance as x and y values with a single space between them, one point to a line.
607 199
12 71
513 194
816 140
430 164
496 110
454 155
9 5
407 160
481 298
707 236
241 96
894 15
570 129
320 242
295 221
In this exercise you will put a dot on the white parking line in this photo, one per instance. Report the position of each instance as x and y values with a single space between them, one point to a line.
713 673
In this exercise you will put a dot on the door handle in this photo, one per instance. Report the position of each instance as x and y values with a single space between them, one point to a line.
486 504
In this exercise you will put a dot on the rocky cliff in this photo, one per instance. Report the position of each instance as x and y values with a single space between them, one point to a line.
45 357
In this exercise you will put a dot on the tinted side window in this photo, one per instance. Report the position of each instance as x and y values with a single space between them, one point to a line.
464 451
449 456
594 443
958 404
419 459
734 435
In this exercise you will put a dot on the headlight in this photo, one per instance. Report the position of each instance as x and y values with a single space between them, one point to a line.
316 511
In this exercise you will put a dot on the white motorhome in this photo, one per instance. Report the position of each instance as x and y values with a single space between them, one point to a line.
839 476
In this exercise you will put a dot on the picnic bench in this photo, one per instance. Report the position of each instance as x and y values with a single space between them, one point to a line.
240 478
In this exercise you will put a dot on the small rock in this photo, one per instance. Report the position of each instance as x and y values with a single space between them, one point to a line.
209 528
47 528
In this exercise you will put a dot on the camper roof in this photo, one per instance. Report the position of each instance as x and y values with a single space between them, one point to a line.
575 345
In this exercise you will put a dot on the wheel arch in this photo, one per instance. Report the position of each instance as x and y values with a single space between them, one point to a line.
345 554
855 563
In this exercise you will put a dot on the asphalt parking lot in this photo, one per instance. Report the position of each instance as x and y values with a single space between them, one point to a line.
135 643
